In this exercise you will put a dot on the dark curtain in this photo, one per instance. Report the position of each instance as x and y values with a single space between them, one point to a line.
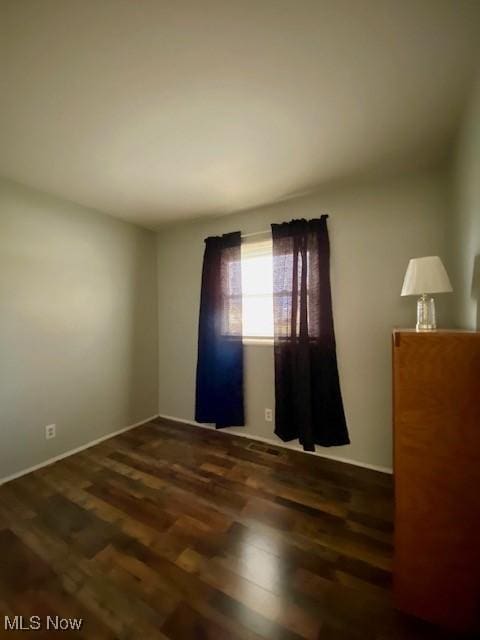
219 390
308 400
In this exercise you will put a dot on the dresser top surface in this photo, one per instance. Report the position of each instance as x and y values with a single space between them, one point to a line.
437 332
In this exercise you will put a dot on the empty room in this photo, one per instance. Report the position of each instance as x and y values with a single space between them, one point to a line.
240 319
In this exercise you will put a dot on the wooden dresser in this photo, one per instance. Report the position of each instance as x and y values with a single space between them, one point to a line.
437 476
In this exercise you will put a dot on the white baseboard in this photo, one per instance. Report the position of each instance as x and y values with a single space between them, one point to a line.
279 443
71 452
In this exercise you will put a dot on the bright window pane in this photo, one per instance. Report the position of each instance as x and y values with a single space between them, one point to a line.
257 289
257 317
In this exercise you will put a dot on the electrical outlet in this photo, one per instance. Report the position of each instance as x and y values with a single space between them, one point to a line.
50 431
268 415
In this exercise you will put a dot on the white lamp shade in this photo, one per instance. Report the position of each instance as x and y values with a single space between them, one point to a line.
426 275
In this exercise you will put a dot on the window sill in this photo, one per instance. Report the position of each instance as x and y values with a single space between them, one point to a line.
261 342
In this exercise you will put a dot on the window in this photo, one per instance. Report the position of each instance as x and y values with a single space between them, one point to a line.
257 289
257 297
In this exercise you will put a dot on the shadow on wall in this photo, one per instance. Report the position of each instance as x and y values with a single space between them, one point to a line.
476 288
143 345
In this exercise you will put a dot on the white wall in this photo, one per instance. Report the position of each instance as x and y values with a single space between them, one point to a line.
79 314
78 326
374 229
466 221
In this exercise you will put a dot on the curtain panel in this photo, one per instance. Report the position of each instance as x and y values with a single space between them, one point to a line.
308 400
219 384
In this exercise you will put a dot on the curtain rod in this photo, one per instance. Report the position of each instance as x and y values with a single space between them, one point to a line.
256 233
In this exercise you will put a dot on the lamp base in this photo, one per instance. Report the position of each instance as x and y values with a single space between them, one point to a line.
426 314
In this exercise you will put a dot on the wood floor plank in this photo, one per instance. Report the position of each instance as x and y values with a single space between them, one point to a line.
172 532
20 567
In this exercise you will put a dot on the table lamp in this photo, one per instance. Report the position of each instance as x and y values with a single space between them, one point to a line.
425 276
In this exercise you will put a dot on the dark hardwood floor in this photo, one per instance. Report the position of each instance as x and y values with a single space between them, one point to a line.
171 531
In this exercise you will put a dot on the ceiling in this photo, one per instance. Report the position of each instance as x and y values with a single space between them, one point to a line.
156 111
